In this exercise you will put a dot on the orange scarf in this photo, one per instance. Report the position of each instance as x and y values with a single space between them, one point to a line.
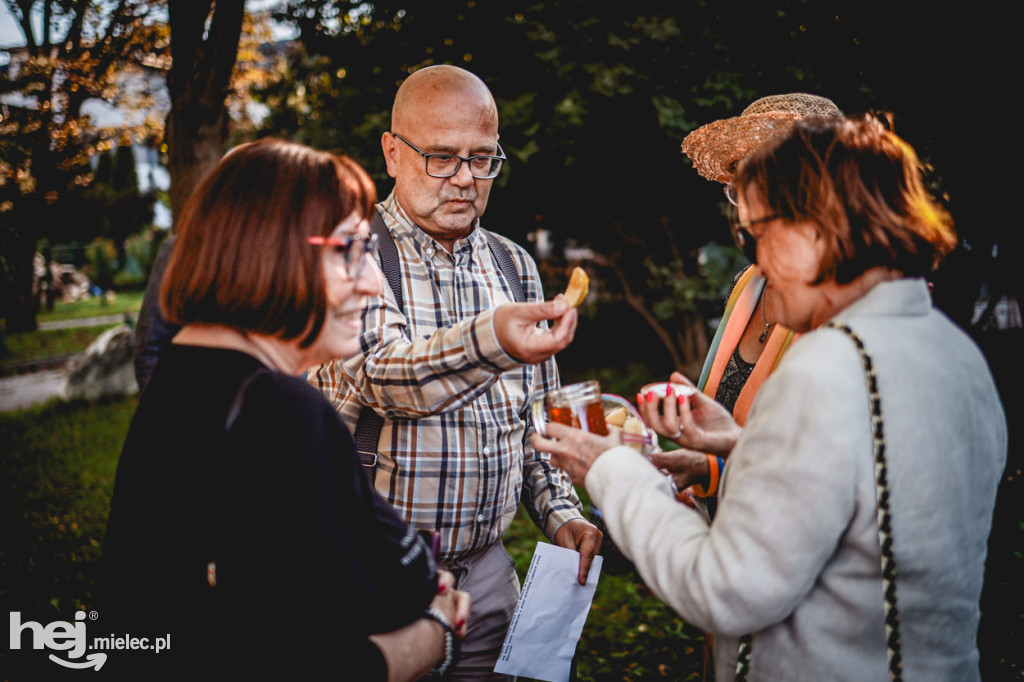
740 307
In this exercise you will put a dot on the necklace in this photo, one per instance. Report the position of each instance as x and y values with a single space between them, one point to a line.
767 325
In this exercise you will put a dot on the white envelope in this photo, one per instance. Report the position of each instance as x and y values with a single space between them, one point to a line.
549 617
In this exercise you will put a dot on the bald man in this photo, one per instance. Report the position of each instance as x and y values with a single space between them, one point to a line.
454 370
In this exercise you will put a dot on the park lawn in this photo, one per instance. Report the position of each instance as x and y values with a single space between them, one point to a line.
48 343
57 466
56 343
56 476
94 306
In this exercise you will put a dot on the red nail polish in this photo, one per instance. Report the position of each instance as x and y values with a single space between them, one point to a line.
639 399
682 400
650 396
669 392
441 588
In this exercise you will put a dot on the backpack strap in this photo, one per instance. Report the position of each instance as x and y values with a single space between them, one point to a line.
388 256
508 268
367 434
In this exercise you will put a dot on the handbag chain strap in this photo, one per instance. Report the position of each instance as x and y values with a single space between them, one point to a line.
892 614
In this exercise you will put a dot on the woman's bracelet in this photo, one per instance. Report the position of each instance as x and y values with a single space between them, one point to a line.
450 640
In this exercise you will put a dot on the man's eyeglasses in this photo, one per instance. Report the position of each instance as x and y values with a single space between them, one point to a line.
352 249
447 165
744 239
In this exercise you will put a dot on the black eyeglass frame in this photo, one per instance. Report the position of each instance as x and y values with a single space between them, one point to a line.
744 239
500 160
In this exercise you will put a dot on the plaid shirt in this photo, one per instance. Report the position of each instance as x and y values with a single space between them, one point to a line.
454 451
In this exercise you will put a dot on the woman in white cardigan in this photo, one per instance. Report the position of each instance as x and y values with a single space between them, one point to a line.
837 219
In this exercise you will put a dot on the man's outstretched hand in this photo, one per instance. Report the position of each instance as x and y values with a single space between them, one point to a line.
518 333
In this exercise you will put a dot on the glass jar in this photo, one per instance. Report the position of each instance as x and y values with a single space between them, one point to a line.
577 405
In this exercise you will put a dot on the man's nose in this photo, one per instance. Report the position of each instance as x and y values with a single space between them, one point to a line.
463 177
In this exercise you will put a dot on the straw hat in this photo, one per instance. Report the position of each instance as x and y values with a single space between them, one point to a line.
717 147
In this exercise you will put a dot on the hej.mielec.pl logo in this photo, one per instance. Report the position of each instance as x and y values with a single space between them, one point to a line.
71 638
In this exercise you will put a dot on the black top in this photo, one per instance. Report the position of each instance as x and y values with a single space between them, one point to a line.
734 378
308 560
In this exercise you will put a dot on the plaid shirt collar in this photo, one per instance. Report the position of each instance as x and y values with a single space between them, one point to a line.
404 226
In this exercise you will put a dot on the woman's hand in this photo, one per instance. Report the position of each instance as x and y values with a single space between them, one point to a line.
453 603
574 450
412 651
695 422
686 466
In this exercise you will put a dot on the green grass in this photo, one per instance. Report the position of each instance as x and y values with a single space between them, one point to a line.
52 343
56 477
95 306
49 343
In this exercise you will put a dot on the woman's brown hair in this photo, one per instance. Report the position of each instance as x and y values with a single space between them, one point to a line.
862 186
242 257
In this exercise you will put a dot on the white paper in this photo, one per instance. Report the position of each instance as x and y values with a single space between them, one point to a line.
549 617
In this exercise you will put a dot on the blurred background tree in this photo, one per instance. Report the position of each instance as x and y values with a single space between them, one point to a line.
204 38
113 208
77 51
595 100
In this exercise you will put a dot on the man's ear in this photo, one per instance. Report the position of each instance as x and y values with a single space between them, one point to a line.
390 148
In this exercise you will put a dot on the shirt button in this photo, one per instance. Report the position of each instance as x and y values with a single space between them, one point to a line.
480 518
487 450
430 250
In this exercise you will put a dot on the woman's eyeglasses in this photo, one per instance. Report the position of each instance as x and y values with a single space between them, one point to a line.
731 194
352 249
742 236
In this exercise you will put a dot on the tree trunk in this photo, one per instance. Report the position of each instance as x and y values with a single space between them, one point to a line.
20 303
194 146
202 61
693 339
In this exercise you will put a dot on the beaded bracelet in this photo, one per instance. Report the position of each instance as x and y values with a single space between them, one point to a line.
450 640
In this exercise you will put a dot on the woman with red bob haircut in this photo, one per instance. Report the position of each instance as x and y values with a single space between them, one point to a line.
241 525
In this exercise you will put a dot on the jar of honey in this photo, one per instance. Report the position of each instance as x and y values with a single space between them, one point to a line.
577 405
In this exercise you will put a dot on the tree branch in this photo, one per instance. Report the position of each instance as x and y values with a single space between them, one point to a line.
72 43
639 304
22 11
